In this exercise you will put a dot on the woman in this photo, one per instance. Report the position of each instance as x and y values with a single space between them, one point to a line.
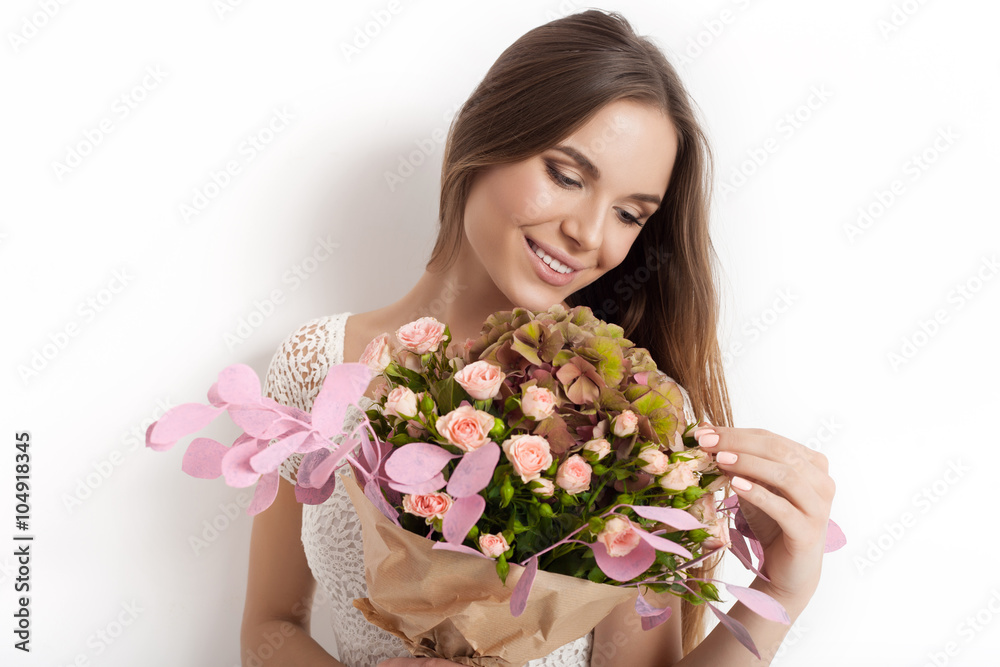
576 173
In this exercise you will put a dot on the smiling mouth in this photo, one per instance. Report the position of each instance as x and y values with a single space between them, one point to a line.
550 261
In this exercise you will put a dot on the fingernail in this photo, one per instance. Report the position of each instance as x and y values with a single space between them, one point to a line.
709 440
726 457
741 483
698 432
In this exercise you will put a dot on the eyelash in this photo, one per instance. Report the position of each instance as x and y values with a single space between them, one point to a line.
566 182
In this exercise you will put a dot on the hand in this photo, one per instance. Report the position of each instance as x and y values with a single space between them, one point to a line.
417 662
788 506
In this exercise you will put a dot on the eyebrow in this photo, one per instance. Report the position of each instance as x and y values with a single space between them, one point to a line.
592 169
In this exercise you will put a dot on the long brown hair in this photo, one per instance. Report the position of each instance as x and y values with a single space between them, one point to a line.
542 88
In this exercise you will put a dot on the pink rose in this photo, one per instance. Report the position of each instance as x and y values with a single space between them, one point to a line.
466 427
421 336
698 459
618 536
538 403
625 423
481 379
377 354
655 460
401 402
704 510
428 505
573 475
493 545
678 477
545 488
599 446
529 454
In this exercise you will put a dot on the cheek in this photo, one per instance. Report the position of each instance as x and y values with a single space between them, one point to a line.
523 195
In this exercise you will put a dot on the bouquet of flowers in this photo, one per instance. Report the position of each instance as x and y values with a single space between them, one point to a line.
512 491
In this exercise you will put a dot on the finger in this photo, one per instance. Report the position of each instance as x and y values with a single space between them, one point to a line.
791 521
767 445
787 481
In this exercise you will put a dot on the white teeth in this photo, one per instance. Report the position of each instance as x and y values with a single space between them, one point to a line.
553 263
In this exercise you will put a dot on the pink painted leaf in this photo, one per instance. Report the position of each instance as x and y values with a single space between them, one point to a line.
264 494
271 457
315 469
462 516
676 518
344 385
474 471
238 384
417 462
203 458
629 566
254 419
731 502
735 627
662 543
308 496
761 603
213 396
835 537
431 485
738 546
281 426
651 616
519 597
236 464
178 422
374 493
460 548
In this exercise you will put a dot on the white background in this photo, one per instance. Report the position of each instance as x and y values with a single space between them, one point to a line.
813 312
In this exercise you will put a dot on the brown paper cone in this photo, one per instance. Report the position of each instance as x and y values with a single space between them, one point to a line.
451 605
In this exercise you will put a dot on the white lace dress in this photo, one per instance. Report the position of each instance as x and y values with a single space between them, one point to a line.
331 532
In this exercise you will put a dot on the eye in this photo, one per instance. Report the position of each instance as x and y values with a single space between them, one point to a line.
630 219
559 178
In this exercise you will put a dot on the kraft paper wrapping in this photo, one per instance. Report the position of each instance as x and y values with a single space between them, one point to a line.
450 605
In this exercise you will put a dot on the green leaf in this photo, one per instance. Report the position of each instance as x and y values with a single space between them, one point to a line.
709 591
506 492
597 575
502 568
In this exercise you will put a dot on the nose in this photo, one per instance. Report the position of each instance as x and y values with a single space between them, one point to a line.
584 224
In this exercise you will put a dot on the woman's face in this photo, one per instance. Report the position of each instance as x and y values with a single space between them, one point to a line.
582 202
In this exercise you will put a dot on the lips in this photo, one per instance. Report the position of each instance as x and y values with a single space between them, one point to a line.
546 272
555 254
